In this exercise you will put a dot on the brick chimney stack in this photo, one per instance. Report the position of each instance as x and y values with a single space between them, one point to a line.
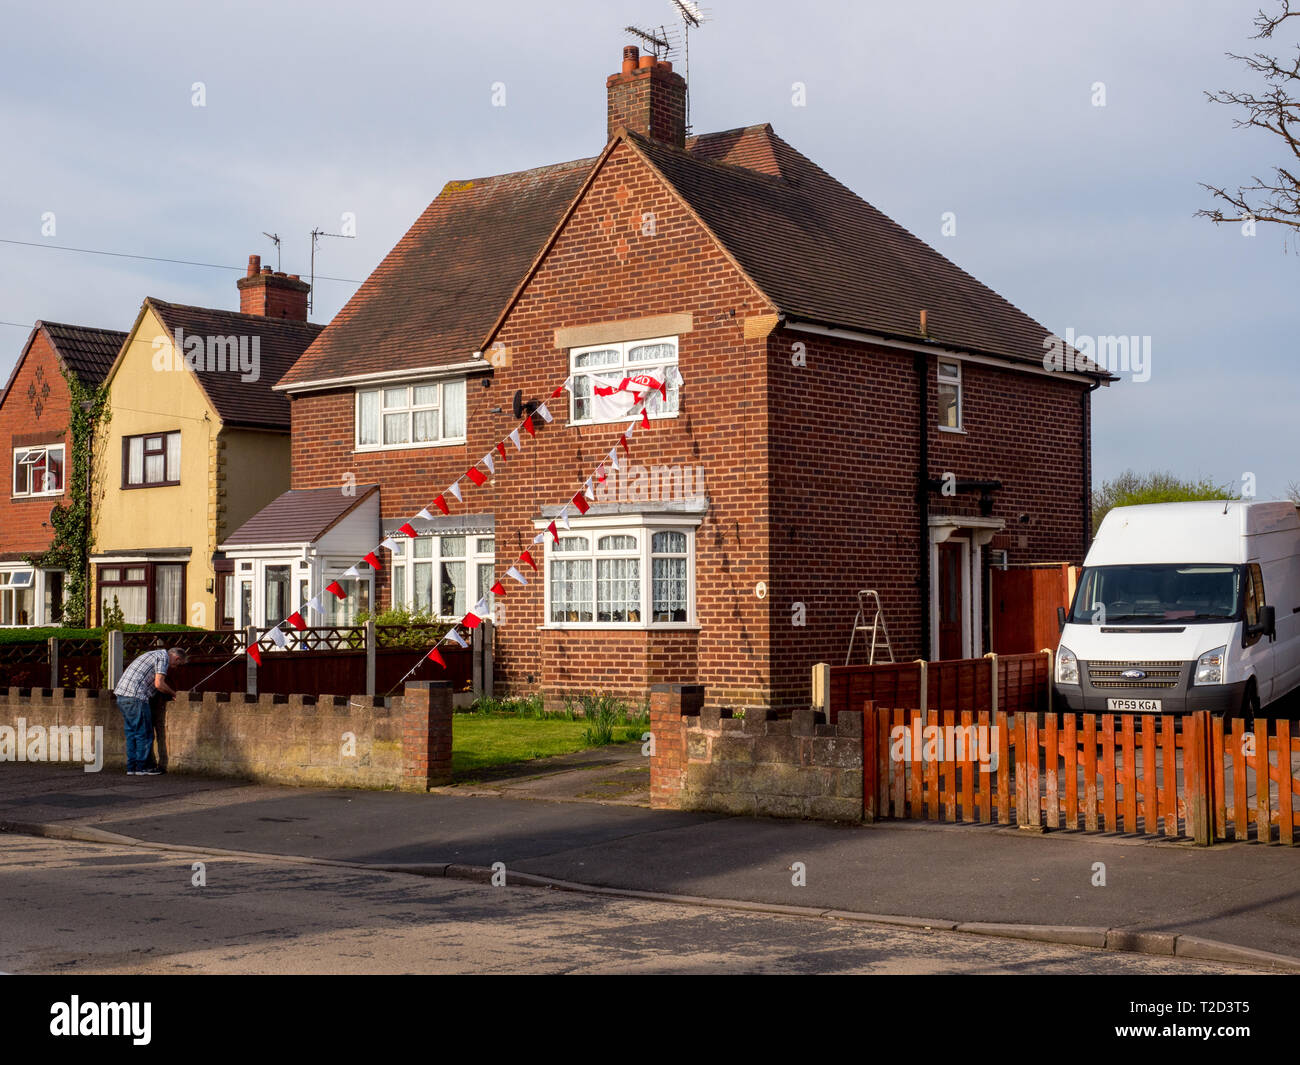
647 98
270 294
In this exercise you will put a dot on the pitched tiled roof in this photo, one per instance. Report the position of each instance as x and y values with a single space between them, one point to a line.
87 352
823 254
299 516
438 292
248 404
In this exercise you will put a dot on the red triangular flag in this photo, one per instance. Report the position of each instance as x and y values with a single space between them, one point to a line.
528 426
374 561
551 529
600 473
255 653
336 589
524 556
580 501
501 447
295 619
496 589
623 440
471 620
437 657
473 474
441 504
645 419
558 392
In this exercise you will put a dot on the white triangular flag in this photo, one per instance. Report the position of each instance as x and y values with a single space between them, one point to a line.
674 375
481 607
564 516
514 439
490 462
631 428
277 637
516 575
424 515
613 458
547 416
586 488
314 604
455 636
351 571
454 489
568 383
388 543
539 538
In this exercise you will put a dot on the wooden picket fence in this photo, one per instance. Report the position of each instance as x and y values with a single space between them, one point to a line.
1187 778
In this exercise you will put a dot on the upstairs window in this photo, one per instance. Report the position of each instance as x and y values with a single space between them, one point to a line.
38 471
420 415
150 460
606 365
949 394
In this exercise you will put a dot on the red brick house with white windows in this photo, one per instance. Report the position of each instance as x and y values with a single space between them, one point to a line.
834 369
35 434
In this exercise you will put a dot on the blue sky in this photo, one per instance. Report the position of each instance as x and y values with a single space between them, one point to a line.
1080 215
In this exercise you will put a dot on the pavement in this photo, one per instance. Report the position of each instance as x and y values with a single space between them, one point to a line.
1235 902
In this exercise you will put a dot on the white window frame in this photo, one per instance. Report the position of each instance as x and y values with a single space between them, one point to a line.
403 559
10 586
410 409
622 366
33 449
955 380
644 526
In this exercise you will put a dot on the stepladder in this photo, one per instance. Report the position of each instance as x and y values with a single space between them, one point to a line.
870 622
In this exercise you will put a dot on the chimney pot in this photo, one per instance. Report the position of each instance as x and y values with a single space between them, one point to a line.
648 98
646 62
254 264
630 53
266 270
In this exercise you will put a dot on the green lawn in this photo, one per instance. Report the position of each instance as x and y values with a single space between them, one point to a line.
480 740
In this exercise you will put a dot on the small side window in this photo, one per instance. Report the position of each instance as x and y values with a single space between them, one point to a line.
949 394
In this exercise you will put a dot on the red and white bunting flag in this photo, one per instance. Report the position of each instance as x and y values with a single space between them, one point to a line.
564 516
586 485
295 619
436 655
454 489
277 637
352 571
547 416
456 637
529 427
580 501
375 564
539 538
501 449
441 504
424 515
552 530
335 589
488 461
471 620
645 418
388 543
475 475
407 529
515 575
525 556
481 607
514 439
314 604
568 381
255 653
496 589
623 440
613 458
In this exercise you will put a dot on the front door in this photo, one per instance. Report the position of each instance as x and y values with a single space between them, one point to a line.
951 599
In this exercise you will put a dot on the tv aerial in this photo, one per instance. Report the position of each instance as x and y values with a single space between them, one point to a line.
316 234
692 16
274 238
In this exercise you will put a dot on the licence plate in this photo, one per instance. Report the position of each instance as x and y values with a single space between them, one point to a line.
1134 706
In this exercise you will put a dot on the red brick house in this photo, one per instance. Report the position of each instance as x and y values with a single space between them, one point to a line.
35 431
855 412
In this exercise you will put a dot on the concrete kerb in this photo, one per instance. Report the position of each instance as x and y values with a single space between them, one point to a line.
1165 944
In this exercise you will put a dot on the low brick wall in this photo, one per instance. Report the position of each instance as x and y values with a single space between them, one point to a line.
353 741
706 759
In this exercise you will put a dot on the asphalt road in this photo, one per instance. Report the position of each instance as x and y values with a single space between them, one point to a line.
73 907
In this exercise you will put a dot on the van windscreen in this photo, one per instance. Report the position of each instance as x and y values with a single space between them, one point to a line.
1157 594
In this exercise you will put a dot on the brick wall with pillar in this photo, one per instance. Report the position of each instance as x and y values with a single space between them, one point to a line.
426 734
669 703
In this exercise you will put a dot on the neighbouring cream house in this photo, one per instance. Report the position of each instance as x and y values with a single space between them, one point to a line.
196 443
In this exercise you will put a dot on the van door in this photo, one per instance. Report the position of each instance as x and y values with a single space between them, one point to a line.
1257 650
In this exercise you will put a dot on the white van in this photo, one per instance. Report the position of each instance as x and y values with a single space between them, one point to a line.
1185 606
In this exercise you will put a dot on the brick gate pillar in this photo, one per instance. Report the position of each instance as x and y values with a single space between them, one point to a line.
669 703
426 734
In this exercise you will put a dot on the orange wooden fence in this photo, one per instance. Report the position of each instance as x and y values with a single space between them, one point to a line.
1185 777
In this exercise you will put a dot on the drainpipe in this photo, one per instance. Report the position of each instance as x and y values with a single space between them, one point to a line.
921 362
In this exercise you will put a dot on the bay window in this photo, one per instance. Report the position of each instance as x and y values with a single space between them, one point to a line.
621 576
606 365
418 415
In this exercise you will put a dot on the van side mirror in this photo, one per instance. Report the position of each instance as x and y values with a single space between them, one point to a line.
1060 619
1267 624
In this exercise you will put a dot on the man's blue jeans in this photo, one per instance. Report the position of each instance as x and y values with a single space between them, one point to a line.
139 731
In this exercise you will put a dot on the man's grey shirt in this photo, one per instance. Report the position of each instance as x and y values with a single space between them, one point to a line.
137 679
